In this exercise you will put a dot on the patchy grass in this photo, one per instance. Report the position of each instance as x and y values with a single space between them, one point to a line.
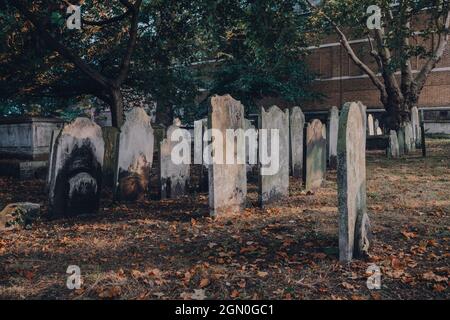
167 249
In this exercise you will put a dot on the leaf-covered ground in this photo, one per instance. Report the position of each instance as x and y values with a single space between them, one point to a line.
172 249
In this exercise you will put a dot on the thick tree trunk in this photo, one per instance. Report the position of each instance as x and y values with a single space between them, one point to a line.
164 113
116 105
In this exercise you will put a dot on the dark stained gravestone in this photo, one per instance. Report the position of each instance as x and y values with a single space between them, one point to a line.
76 178
354 226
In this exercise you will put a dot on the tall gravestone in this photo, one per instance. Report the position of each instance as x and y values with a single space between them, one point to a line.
333 126
415 121
297 123
227 181
136 145
200 129
354 225
175 157
393 149
370 125
314 155
76 169
273 185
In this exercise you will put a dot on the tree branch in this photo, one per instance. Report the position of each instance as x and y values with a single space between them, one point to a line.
61 49
345 43
435 57
125 65
107 21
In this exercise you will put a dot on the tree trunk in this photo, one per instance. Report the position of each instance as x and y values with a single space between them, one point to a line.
164 113
116 106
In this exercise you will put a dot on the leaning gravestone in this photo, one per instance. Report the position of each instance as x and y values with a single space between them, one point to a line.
370 125
297 123
273 184
415 121
354 225
333 126
174 173
76 177
314 155
136 144
393 149
227 181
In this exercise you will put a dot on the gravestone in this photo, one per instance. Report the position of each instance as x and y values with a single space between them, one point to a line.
227 181
297 123
370 125
401 141
393 149
200 129
314 155
410 144
415 121
354 225
136 145
111 137
333 126
76 178
273 184
251 145
378 130
174 173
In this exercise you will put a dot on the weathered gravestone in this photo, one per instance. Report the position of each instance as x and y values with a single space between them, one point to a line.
76 177
175 157
354 225
415 121
273 178
200 130
297 123
111 137
333 126
401 141
393 149
227 177
370 125
314 155
410 144
136 144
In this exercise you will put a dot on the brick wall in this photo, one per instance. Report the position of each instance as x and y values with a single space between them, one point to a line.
341 80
